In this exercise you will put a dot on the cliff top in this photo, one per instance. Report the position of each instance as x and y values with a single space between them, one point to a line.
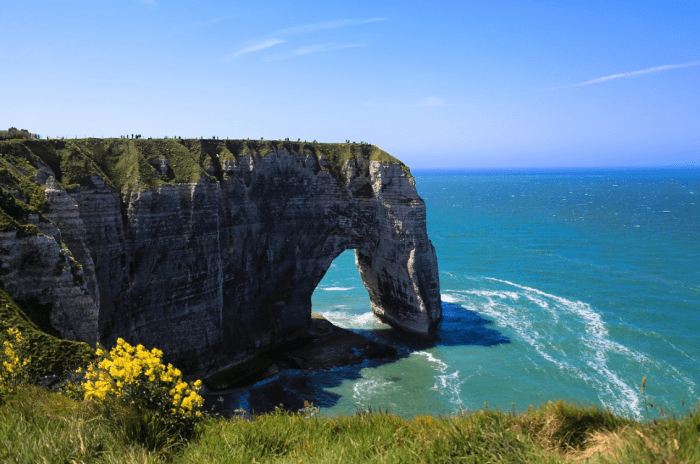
140 164
121 162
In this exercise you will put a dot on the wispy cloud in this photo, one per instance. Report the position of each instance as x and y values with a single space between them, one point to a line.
315 49
285 34
208 22
315 27
256 47
598 80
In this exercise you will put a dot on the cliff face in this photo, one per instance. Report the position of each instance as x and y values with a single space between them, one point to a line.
210 250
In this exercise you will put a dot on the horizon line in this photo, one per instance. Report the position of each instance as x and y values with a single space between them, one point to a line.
523 168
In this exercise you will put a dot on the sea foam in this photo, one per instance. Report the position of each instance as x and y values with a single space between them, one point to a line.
543 321
350 320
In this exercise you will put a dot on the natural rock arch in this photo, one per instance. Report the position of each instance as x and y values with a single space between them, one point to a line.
215 270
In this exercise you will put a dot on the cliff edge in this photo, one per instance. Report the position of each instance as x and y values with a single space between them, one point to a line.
207 249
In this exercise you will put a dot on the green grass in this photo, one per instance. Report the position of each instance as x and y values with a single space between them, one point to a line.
37 426
40 426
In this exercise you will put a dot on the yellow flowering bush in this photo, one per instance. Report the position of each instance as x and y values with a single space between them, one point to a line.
137 376
13 368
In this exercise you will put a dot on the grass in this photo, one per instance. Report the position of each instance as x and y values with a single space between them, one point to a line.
40 426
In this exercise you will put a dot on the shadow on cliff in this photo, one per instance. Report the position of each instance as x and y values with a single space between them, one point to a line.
291 388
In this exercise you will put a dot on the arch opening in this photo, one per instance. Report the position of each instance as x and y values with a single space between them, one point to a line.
342 298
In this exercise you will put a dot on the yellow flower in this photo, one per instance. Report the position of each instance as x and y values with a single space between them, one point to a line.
144 373
12 367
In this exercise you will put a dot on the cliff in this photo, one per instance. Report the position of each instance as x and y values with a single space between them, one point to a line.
207 249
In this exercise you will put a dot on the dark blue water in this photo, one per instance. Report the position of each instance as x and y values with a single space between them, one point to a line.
555 285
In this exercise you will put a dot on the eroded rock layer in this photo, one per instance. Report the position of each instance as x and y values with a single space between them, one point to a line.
209 250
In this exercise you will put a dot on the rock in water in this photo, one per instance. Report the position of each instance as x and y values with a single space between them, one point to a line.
208 249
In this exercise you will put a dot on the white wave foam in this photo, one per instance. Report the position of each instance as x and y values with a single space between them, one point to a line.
589 362
337 289
688 382
450 385
509 314
449 298
443 367
366 389
348 320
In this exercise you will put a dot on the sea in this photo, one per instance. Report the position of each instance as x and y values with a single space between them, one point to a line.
556 284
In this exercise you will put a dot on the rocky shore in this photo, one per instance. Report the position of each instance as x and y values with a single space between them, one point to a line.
326 346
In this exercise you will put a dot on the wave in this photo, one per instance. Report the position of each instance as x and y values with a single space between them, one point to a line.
443 367
450 385
447 298
568 334
369 389
337 289
447 385
348 320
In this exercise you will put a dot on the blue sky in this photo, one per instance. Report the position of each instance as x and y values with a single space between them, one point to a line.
441 84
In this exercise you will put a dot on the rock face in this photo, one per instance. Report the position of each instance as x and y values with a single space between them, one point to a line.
216 263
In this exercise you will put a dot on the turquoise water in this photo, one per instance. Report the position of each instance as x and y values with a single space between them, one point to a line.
555 285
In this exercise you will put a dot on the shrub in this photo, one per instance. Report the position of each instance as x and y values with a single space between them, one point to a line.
13 368
138 377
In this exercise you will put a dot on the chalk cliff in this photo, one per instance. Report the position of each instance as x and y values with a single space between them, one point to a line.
208 249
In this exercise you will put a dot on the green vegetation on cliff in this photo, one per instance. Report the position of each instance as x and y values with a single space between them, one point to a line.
126 164
40 426
151 163
49 353
20 197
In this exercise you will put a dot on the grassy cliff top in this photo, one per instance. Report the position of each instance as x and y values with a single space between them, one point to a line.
151 163
40 426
